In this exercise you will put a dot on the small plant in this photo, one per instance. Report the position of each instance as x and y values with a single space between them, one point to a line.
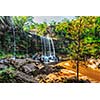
7 74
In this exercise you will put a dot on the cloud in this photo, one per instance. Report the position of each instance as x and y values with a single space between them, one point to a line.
48 19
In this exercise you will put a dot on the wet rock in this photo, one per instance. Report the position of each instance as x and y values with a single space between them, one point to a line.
22 77
28 68
1 61
49 69
29 60
20 62
2 66
4 61
40 78
40 66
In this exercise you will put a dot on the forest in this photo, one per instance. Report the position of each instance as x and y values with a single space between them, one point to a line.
57 52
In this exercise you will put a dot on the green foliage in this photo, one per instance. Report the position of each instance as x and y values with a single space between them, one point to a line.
85 27
23 23
42 28
61 29
7 74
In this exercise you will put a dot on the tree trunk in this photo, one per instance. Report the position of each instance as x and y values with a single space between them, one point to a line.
78 54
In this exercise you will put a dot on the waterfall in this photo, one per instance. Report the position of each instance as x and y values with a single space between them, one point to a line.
48 49
14 41
42 45
53 48
44 41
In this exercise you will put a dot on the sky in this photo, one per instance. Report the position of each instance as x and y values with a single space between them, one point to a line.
48 19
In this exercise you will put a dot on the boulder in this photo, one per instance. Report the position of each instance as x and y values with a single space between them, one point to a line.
28 68
22 77
2 66
21 62
93 63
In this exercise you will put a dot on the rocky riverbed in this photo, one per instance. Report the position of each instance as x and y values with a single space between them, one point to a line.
32 71
27 70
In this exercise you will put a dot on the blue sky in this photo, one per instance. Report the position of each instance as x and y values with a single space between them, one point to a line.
48 19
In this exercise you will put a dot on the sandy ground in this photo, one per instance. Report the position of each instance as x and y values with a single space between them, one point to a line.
90 73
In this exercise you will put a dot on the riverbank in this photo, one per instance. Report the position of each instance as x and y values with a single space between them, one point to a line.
31 71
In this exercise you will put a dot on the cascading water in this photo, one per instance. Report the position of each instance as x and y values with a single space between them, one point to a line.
48 50
49 47
52 43
47 53
44 41
14 41
42 46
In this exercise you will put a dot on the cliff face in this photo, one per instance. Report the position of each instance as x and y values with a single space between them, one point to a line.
26 43
5 24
